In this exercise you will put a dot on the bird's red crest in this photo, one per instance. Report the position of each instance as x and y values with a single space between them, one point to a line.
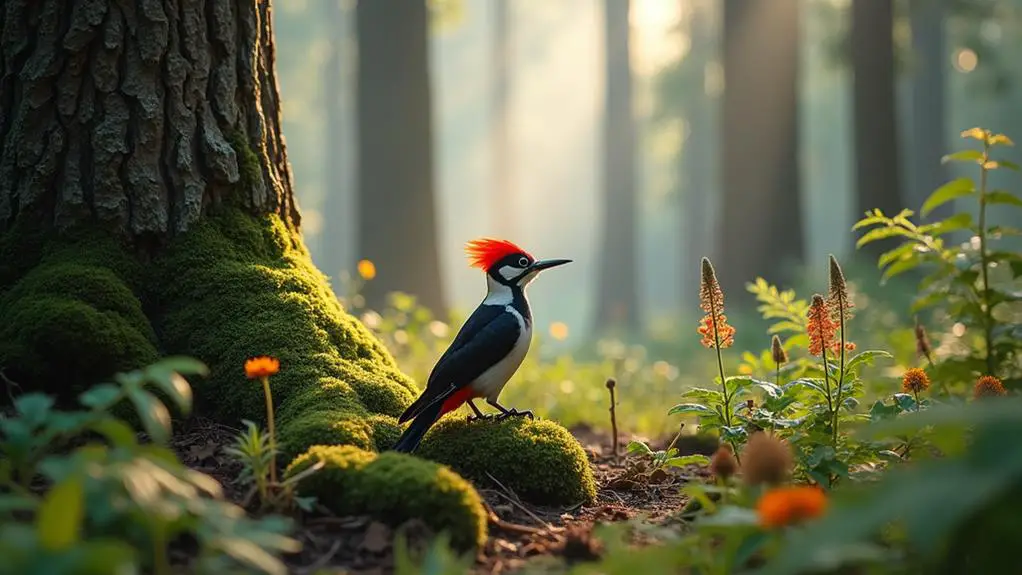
484 252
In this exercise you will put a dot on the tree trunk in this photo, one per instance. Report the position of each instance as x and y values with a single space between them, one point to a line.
335 246
874 115
699 157
928 100
760 231
617 292
503 187
397 212
139 115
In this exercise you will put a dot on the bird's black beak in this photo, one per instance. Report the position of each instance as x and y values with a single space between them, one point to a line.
540 265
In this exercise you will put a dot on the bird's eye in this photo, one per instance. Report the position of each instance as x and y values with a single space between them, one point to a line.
523 262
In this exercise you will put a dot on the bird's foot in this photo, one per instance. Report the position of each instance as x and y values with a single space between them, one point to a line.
515 413
480 417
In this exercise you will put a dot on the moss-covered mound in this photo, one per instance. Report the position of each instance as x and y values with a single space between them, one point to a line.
237 286
393 488
73 318
539 460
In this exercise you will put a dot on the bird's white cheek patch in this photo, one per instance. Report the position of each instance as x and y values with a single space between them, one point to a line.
509 272
527 279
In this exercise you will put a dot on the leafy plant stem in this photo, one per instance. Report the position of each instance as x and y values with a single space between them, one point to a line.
988 323
270 429
916 394
826 379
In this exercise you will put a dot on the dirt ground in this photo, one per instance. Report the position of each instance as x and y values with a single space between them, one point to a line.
519 532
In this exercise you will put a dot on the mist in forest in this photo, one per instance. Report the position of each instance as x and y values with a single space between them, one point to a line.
604 131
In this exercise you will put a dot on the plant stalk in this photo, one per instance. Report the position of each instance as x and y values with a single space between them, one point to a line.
988 324
841 372
271 429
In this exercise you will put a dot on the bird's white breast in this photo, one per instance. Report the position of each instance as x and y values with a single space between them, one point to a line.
490 383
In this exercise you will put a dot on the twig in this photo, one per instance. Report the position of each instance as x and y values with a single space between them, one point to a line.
323 560
507 525
611 384
513 498
9 384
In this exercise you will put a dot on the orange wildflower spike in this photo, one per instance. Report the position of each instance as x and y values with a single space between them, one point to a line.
989 386
915 380
484 252
261 366
822 327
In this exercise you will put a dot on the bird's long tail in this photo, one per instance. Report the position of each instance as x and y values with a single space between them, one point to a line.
410 439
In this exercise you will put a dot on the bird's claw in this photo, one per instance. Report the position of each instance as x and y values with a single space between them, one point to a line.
480 417
515 413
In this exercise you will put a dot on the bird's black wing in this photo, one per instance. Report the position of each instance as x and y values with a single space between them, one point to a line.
488 335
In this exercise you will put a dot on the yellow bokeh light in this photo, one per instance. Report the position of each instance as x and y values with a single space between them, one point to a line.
559 330
366 269
966 60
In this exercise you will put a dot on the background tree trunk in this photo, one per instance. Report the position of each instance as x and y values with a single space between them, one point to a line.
761 224
504 213
698 166
617 293
139 115
877 179
397 212
931 59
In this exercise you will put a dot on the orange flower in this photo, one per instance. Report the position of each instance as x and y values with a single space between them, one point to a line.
713 327
366 269
261 366
822 327
788 505
725 333
915 380
988 386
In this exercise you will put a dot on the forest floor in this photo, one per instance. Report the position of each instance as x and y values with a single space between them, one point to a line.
519 533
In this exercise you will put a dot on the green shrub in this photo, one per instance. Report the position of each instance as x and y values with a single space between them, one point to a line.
393 488
538 460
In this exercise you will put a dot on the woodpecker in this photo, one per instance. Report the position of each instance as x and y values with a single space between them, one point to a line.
488 349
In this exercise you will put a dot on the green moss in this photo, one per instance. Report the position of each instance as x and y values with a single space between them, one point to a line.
255 278
73 318
394 488
538 460
248 162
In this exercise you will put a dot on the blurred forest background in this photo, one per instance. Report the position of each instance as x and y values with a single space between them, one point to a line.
631 136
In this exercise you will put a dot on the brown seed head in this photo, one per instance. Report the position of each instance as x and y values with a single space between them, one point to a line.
837 294
777 351
766 459
611 383
711 298
723 463
988 386
915 380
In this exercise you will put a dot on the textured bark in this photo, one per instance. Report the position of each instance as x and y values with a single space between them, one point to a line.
617 293
397 214
139 114
760 231
874 113
929 49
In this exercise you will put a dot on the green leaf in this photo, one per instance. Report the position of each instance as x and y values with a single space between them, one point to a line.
688 460
638 448
182 365
100 396
950 191
865 357
900 267
154 415
119 433
59 521
33 407
174 385
689 408
956 222
1003 197
963 156
1008 164
882 233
